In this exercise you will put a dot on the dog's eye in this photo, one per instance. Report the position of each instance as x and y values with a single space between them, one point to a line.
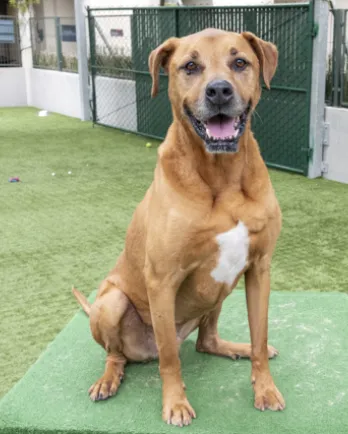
191 67
239 64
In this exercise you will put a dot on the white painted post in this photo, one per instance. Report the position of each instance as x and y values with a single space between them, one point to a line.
317 113
26 49
81 42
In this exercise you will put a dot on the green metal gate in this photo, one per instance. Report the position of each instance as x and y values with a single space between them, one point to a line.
281 121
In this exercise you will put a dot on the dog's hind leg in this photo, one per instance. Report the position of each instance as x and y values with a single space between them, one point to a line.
210 342
105 318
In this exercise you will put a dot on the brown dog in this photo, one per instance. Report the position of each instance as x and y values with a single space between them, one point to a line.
209 216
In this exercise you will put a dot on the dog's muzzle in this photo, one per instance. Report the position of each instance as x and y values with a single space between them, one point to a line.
220 133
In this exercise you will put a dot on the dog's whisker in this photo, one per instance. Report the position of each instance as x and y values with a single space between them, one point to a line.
256 113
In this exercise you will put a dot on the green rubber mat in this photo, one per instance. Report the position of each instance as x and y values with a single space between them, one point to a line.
309 329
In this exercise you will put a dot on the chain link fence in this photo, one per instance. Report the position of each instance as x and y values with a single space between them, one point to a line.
10 51
54 43
112 68
122 39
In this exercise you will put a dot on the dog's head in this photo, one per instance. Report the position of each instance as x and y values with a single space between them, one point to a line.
214 81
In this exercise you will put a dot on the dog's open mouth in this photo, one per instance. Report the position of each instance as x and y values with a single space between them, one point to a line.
220 133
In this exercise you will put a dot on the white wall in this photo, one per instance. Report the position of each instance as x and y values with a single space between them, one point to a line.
59 92
60 8
336 154
12 87
116 104
340 4
55 91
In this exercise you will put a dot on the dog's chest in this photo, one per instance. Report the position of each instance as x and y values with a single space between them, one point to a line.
225 257
232 256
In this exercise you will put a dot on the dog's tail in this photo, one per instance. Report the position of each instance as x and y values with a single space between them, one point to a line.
82 300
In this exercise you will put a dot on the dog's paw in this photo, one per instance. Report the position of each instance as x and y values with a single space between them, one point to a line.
233 350
105 387
267 396
178 413
245 352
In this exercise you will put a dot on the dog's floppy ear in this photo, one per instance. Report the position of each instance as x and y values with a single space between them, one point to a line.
160 58
267 54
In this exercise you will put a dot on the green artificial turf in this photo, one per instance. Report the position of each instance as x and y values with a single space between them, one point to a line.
308 328
66 229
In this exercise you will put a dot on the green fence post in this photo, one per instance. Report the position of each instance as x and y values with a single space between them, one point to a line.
59 44
91 29
32 23
177 22
18 43
251 19
336 60
343 101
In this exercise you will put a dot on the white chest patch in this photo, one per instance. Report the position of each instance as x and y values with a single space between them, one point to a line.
234 249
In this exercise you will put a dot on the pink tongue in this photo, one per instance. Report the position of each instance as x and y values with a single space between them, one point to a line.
221 128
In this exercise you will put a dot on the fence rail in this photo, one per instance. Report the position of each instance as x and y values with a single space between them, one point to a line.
10 51
54 43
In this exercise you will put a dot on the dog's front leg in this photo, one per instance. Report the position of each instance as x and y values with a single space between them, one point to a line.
257 282
162 293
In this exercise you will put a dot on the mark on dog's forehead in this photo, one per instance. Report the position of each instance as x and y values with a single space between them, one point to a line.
217 40
205 35
210 33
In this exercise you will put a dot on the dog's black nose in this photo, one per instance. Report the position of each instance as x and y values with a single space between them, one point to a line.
219 92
